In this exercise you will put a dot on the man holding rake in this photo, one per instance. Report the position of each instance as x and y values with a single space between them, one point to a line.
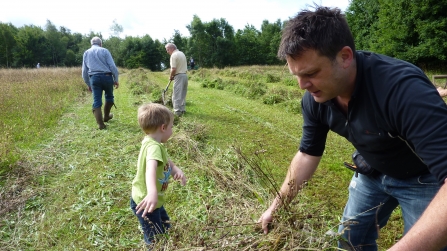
178 74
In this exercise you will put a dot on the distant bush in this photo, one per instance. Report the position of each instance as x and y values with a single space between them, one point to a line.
290 82
292 106
256 90
272 99
270 78
215 83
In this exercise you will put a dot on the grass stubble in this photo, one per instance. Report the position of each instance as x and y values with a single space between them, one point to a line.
69 188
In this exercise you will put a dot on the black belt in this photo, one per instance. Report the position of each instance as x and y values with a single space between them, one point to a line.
179 73
104 74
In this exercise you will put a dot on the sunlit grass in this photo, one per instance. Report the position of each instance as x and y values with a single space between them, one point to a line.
70 190
31 102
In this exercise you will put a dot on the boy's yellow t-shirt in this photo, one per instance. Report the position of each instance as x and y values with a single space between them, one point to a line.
151 149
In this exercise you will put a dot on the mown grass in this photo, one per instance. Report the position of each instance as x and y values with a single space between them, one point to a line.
71 190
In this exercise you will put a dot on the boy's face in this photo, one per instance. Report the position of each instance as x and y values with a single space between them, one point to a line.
166 131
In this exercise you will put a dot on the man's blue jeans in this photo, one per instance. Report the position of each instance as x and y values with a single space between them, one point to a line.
363 216
152 224
99 83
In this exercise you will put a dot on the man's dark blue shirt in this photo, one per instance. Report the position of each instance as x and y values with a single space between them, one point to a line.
396 119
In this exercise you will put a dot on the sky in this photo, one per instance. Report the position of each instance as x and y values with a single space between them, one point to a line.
158 19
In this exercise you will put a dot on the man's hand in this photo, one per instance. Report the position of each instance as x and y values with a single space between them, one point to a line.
171 77
265 219
89 89
116 84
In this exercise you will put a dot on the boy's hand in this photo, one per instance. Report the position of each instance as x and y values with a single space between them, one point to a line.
180 176
148 204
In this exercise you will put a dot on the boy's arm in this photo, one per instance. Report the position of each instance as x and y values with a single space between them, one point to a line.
177 173
148 204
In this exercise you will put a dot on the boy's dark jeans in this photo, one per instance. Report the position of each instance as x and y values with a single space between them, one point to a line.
154 223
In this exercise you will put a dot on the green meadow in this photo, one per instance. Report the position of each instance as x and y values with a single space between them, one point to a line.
64 185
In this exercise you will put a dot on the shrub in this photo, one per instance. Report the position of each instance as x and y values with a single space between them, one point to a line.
292 106
290 82
273 99
270 78
256 90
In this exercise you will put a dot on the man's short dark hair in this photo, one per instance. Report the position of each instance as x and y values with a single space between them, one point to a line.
324 30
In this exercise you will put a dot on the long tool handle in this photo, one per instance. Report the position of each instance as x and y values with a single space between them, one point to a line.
166 89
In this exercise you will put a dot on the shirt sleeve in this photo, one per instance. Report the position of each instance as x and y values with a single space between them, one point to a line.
85 70
174 60
418 115
112 65
314 136
154 152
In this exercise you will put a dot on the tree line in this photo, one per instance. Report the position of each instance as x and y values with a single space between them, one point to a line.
211 44
412 30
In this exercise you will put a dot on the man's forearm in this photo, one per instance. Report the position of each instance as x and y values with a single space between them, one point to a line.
301 170
430 231
173 71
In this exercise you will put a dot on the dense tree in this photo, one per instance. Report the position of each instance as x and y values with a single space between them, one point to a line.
70 58
152 57
247 44
363 21
32 47
269 40
396 29
212 43
141 52
57 45
412 30
179 41
198 41
7 44
430 22
113 45
220 43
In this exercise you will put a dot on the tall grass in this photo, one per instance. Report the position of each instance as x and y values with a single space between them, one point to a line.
31 102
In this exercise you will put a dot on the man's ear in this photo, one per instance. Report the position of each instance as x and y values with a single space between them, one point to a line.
163 127
346 56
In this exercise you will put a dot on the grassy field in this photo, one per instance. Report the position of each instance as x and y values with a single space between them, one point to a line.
31 102
66 185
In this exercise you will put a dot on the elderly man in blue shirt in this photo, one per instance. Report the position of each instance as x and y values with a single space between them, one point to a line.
100 74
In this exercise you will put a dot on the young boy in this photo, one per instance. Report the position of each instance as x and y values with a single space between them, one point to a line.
153 171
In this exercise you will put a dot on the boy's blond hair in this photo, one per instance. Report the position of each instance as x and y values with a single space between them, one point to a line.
153 115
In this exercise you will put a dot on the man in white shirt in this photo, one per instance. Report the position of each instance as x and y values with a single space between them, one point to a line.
178 74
